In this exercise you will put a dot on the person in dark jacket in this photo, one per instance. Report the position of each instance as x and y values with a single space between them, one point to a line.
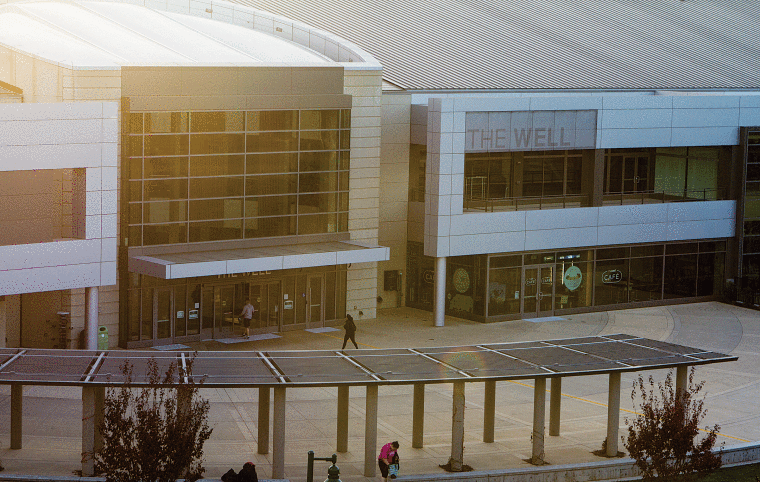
248 474
350 328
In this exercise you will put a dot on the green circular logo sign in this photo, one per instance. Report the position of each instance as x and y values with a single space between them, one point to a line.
573 278
461 280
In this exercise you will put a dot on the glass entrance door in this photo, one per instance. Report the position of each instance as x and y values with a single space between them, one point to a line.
163 311
265 298
315 301
538 291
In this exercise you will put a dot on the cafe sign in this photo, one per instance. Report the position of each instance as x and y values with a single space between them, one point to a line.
530 130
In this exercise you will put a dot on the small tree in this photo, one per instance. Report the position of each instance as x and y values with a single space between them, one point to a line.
156 433
662 438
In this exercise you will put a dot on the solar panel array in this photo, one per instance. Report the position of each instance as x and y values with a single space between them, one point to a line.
498 361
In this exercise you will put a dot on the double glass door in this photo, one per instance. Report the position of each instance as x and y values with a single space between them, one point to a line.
628 174
266 299
538 291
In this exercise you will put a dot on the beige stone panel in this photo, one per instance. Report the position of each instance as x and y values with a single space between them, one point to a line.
364 193
353 81
364 182
364 132
364 163
364 203
315 80
365 110
95 81
24 76
369 235
392 232
395 133
366 172
363 294
6 65
359 224
365 91
361 122
46 80
365 142
395 153
150 81
363 213
393 211
365 152
366 101
359 271
97 94
400 99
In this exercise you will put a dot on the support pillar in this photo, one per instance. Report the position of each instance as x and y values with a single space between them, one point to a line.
343 418
439 310
370 432
681 380
278 437
613 414
418 416
17 406
92 416
263 420
539 417
555 402
489 411
457 428
91 318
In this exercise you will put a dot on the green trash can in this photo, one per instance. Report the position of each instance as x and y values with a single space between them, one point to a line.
102 338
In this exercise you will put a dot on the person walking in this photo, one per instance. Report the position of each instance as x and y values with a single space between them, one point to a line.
385 459
350 328
246 316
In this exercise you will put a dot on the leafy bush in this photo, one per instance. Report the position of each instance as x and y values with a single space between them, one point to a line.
154 434
662 438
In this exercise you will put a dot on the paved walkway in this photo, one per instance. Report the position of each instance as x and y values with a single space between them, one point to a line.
52 416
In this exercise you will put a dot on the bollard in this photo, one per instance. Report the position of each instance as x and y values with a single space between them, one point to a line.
333 473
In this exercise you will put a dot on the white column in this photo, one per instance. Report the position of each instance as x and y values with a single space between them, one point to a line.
613 414
439 311
91 318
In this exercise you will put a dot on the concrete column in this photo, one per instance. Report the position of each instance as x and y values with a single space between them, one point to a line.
263 420
92 416
489 411
278 437
17 408
91 318
613 414
682 379
439 309
539 416
370 432
555 402
457 428
418 416
343 418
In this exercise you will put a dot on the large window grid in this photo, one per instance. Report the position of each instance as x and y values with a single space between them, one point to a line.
210 176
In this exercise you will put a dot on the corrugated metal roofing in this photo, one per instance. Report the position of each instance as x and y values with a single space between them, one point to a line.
540 44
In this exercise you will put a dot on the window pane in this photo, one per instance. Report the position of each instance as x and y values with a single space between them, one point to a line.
317 203
165 122
164 190
345 139
267 227
135 123
275 120
612 253
216 187
135 213
641 251
504 291
135 168
135 146
710 275
345 164
611 282
180 311
319 161
164 234
681 273
317 223
217 121
319 119
166 167
216 165
217 143
272 142
580 294
165 211
681 248
216 209
215 230
321 182
646 279
319 140
147 314
269 206
135 236
271 184
134 315
345 118
271 163
166 145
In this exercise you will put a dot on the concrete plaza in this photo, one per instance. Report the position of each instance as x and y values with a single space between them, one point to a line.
52 416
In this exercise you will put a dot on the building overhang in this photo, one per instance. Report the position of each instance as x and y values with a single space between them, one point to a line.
251 259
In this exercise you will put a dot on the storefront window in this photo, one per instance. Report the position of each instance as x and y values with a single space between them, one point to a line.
573 287
504 288
611 282
681 276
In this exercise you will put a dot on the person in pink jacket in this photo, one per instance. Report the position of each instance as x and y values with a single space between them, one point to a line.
387 454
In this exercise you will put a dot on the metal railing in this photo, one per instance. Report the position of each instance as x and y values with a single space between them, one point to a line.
527 203
659 197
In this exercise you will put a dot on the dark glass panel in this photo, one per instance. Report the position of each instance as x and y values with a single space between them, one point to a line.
319 161
269 206
504 291
319 119
580 294
164 234
166 145
289 296
194 309
342 222
533 177
711 246
710 274
272 142
217 143
345 139
317 203
134 315
340 311
752 189
165 189
554 175
612 253
345 119
216 209
166 122
165 211
751 228
135 146
574 256
135 213
753 172
135 123
271 163
159 167
268 227
682 248
611 282
135 236
203 166
180 311
539 258
135 168
343 177
345 163
751 266
147 314
216 187
319 140
271 184
272 120
317 223
505 261
751 244
642 251
681 273
646 279
215 230
217 121
574 175
343 206
318 182
330 295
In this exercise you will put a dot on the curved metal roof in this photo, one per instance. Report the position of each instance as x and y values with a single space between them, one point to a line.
539 44
498 361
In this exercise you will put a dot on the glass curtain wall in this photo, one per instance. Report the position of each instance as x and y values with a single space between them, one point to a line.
211 176
751 223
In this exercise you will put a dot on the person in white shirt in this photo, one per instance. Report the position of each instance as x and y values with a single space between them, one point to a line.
246 316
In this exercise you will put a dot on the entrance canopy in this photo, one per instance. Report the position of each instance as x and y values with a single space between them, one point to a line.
245 260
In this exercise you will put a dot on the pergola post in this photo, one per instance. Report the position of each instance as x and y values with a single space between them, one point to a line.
439 308
278 437
457 428
555 402
681 380
93 398
539 416
370 432
263 420
418 416
343 418
613 414
17 408
489 411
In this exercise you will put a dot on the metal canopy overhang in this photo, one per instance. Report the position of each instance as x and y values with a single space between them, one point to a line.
504 361
245 260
